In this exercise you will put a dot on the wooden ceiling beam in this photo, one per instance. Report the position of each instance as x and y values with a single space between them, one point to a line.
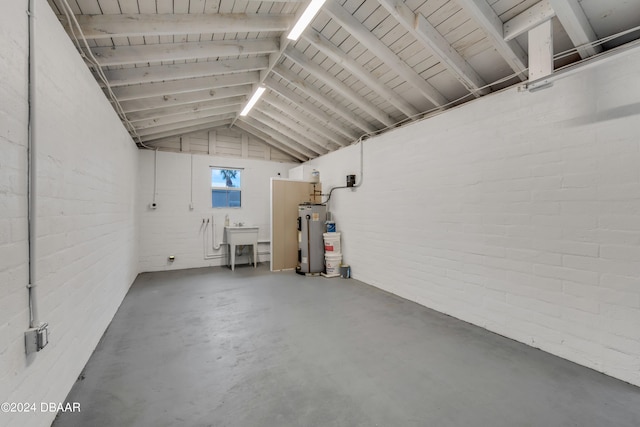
276 57
275 135
379 49
304 131
455 63
162 73
287 132
309 121
577 26
541 51
325 120
325 46
178 99
140 54
428 36
184 124
339 87
268 140
527 20
179 109
492 25
148 90
139 25
314 93
210 113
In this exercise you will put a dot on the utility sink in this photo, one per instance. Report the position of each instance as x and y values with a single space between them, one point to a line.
241 235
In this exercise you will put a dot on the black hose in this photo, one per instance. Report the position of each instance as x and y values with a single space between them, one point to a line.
331 191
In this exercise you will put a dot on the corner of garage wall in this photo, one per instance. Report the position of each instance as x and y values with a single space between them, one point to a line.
518 212
86 231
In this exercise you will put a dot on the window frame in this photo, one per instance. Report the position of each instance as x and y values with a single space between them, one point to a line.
237 189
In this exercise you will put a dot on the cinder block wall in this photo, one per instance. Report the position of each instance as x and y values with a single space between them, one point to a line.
519 212
86 234
174 229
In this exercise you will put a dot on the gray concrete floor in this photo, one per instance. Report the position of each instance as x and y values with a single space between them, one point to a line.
211 347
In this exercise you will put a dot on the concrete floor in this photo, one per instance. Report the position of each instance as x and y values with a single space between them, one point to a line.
211 347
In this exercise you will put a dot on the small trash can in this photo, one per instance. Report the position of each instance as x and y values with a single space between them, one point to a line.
345 271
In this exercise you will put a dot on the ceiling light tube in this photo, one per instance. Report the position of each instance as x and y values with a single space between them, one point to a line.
256 96
305 19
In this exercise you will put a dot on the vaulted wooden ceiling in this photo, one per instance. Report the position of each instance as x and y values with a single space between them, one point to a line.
173 67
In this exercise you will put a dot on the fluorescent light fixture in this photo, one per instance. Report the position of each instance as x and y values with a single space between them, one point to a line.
305 19
252 101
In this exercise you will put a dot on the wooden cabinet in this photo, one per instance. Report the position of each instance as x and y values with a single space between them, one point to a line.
286 195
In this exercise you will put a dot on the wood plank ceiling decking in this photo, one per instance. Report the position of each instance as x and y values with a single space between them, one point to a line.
363 66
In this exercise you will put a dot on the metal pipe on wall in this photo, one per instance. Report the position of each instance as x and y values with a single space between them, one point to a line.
34 320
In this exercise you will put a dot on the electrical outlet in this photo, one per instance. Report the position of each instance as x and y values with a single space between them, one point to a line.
35 339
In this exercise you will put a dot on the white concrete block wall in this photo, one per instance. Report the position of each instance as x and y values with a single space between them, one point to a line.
86 240
519 212
173 229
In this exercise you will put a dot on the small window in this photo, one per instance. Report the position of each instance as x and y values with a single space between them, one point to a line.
226 188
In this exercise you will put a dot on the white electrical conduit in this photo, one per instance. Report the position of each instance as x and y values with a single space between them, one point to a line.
599 42
34 320
593 61
440 109
558 72
328 201
71 20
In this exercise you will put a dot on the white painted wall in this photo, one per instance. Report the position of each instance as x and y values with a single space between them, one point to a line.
87 249
519 212
173 229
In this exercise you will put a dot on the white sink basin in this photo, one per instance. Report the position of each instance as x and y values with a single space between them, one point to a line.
241 235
